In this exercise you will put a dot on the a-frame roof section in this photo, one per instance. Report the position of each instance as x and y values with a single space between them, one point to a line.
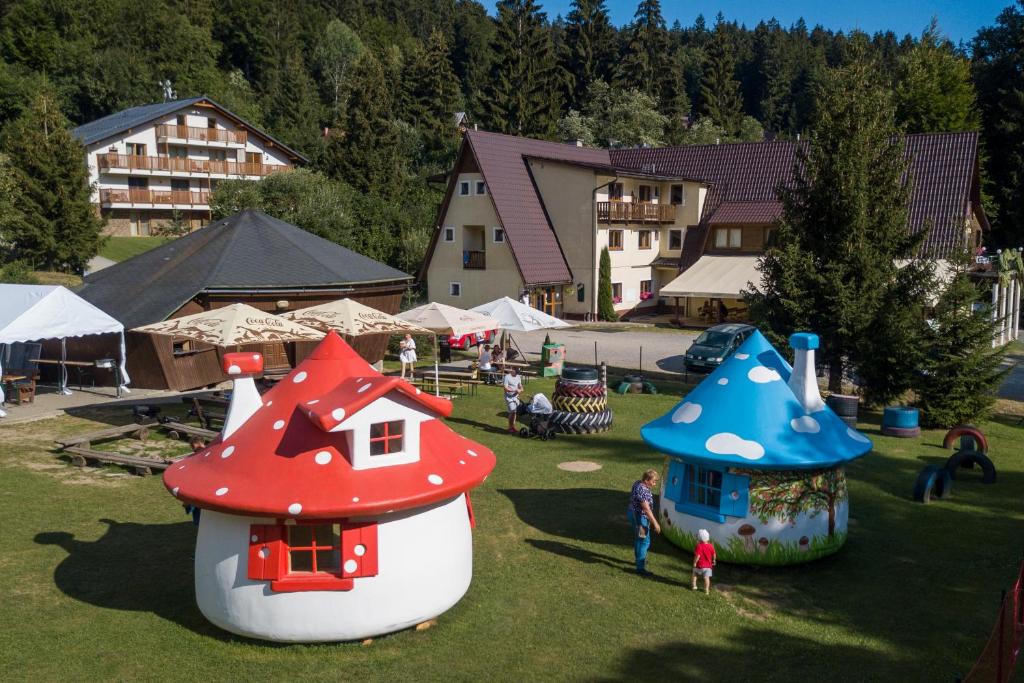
502 160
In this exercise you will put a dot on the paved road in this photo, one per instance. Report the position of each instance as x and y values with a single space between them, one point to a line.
619 347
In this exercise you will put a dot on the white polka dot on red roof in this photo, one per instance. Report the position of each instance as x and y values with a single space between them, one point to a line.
338 414
355 499
322 458
462 462
255 356
279 424
315 400
359 550
299 376
295 508
471 452
234 370
226 453
364 387
359 380
270 403
351 566
435 479
221 491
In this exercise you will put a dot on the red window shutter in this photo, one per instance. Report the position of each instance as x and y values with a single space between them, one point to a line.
267 552
361 537
469 509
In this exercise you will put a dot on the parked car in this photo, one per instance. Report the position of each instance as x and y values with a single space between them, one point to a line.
468 341
714 345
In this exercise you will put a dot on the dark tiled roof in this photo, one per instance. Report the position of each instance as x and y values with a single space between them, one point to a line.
502 161
249 250
746 212
118 122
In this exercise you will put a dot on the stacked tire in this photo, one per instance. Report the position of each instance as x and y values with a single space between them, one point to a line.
580 402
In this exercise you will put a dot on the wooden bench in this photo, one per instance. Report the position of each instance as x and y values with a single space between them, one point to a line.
81 456
450 387
178 430
140 432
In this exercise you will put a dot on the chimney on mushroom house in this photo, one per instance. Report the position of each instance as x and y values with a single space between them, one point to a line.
803 381
243 368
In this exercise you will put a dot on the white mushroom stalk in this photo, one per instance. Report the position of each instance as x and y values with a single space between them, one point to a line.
802 381
243 368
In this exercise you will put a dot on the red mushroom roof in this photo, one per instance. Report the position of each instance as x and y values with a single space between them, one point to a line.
281 462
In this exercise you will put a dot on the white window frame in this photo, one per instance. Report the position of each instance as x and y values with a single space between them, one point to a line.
446 231
736 233
481 187
498 235
464 187
452 286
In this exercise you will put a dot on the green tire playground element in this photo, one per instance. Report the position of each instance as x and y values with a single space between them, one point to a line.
933 481
578 374
960 458
623 387
650 388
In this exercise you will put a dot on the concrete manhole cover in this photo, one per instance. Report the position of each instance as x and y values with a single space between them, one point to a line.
579 466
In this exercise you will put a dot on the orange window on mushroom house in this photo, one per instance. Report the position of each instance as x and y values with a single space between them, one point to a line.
386 437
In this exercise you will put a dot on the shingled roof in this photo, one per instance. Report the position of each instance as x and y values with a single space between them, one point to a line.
249 250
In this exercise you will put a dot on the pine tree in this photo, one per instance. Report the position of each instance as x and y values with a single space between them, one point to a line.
591 46
961 369
431 94
719 89
646 64
293 109
61 229
934 93
605 305
834 267
523 91
472 55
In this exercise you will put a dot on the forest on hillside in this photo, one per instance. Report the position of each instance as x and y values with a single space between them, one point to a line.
368 90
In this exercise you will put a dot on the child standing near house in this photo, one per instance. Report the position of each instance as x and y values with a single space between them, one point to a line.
513 386
703 560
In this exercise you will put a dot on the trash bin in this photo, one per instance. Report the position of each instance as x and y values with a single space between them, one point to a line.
552 357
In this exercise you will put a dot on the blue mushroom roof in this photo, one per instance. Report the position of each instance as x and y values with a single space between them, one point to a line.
745 415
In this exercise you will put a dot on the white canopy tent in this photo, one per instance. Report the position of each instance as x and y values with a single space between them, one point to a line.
36 312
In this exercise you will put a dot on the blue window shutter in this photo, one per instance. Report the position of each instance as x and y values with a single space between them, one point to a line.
673 484
735 494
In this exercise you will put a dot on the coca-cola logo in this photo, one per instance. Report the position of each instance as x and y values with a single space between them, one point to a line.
268 321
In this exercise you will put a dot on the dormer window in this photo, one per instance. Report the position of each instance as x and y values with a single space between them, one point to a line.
386 437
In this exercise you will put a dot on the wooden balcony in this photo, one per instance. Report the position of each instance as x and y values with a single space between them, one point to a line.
474 260
156 197
635 212
203 167
198 134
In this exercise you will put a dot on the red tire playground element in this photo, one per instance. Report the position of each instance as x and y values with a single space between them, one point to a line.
958 459
980 442
578 390
933 481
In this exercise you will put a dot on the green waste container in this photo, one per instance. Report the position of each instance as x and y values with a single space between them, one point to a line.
552 357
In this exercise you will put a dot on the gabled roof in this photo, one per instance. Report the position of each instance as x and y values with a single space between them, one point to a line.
249 250
280 464
745 415
118 122
355 393
746 213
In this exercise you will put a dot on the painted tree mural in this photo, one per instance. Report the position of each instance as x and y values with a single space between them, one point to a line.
787 494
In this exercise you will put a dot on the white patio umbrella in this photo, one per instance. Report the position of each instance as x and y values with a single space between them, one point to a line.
234 325
444 319
346 316
515 316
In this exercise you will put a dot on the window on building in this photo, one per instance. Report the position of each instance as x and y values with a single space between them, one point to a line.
211 122
449 234
678 197
615 192
581 294
177 151
644 239
499 236
615 240
138 223
703 486
218 155
325 555
481 187
386 437
644 192
181 120
135 149
454 289
728 238
769 237
314 548
617 292
182 347
646 289
675 239
179 185
464 188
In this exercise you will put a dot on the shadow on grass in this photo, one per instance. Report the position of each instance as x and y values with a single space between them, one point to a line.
579 554
586 515
136 568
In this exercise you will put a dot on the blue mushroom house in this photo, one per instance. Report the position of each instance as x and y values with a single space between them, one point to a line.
756 457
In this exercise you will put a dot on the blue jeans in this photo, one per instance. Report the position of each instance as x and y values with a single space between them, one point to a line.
640 545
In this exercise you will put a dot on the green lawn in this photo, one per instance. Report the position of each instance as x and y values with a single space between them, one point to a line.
98 575
123 248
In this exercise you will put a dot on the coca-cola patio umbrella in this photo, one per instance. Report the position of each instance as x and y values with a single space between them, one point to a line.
232 326
351 318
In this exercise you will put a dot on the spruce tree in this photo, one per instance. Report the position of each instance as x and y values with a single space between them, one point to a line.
934 93
591 46
522 97
59 228
844 226
605 305
293 107
719 89
646 64
961 369
431 93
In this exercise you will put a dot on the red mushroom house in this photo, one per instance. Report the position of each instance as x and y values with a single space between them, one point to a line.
335 507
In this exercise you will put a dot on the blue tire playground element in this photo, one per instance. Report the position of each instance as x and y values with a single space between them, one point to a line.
900 417
933 481
962 458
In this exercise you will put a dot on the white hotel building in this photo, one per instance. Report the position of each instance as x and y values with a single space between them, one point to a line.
150 162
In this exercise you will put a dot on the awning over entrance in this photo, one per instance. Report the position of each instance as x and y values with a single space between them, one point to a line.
715 276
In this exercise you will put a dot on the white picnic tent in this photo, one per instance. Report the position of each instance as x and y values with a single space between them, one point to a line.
36 312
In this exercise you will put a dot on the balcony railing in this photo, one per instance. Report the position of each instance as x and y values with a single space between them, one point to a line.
167 130
635 212
165 197
474 260
180 165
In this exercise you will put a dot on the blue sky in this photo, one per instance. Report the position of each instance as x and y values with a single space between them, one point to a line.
958 19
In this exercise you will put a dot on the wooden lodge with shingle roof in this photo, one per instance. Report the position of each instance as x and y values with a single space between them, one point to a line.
522 215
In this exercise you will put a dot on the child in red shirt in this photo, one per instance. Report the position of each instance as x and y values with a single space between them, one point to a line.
703 560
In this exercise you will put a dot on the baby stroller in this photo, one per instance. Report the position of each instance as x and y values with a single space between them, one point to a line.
539 409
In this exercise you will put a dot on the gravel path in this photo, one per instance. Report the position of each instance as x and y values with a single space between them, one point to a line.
619 347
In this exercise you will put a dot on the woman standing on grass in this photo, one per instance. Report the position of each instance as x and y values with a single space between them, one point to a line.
642 519
407 355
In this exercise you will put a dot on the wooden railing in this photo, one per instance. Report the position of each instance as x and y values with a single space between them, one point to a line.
167 130
635 212
168 197
180 165
474 260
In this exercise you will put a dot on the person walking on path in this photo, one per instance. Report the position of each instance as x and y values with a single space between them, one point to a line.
642 519
513 386
407 355
703 560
